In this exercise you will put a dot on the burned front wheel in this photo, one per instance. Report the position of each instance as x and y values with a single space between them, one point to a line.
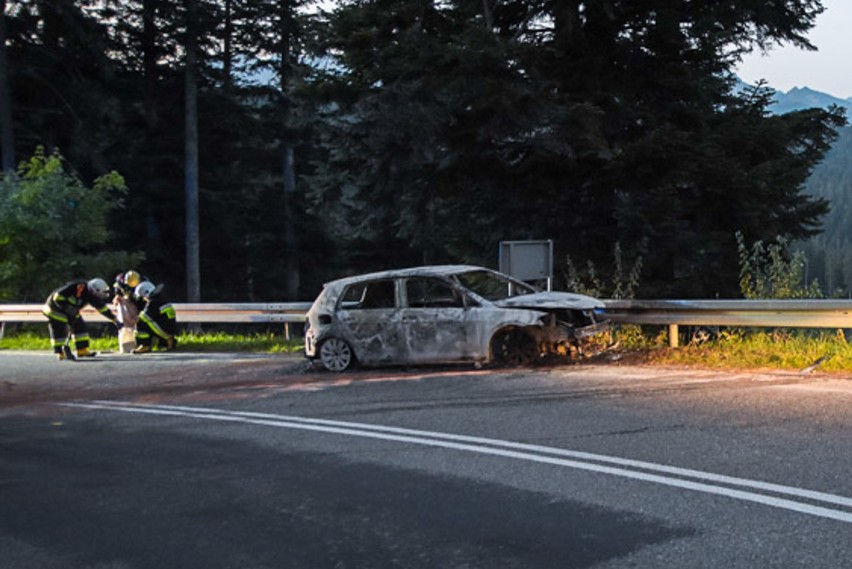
336 355
514 348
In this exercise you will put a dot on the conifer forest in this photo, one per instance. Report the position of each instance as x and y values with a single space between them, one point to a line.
250 150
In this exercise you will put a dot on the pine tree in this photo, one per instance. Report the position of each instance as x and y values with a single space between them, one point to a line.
450 126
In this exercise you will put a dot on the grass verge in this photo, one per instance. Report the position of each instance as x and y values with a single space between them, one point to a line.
719 348
191 342
737 348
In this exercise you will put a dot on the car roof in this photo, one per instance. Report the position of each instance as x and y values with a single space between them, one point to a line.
424 271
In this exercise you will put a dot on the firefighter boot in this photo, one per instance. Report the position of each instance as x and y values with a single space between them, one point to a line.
86 353
142 349
65 353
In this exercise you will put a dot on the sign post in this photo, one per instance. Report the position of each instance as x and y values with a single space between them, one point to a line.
528 260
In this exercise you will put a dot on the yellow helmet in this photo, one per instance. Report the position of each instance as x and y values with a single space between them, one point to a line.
132 278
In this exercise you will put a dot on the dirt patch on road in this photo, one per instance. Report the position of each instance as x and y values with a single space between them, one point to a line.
35 377
31 378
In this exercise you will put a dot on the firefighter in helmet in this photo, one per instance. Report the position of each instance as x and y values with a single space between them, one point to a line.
124 285
62 309
124 301
157 321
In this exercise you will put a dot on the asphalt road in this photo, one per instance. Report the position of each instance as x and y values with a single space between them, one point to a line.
183 460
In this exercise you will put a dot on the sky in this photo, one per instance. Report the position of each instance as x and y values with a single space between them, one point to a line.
826 70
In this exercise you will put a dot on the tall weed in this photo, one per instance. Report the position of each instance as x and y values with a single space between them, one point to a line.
772 271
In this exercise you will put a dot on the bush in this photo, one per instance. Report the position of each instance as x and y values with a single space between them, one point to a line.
53 228
771 271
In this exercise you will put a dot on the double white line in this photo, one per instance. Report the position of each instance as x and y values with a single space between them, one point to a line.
800 500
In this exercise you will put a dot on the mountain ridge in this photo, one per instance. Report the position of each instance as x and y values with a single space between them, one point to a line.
799 98
828 254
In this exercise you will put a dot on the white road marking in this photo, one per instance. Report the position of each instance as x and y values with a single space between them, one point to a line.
785 497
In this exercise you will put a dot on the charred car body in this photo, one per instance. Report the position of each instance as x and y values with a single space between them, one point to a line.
444 314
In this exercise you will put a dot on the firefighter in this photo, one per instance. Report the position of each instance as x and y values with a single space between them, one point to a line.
62 309
125 283
126 304
157 320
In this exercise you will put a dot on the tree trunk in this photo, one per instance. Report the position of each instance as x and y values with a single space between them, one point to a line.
193 271
291 240
227 55
7 138
149 64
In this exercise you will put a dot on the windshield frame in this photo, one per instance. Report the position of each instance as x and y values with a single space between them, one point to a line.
492 286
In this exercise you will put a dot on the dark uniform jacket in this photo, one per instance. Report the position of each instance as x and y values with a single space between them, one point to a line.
65 302
160 315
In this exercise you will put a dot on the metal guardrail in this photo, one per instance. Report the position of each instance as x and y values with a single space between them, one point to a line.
672 313
258 313
747 313
247 313
285 313
743 313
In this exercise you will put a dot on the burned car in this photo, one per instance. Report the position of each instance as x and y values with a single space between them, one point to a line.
444 314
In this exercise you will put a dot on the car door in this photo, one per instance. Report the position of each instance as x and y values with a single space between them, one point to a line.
433 321
369 319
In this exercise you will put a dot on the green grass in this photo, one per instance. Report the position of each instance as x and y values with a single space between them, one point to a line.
191 342
725 349
750 349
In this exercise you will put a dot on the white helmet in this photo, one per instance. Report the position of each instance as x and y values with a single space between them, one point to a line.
144 289
99 288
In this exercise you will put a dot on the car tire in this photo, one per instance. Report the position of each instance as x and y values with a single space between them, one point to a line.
514 348
336 355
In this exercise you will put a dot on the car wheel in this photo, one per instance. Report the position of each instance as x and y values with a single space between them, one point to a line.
336 355
515 348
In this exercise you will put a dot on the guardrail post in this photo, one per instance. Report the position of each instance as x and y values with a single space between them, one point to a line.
673 335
